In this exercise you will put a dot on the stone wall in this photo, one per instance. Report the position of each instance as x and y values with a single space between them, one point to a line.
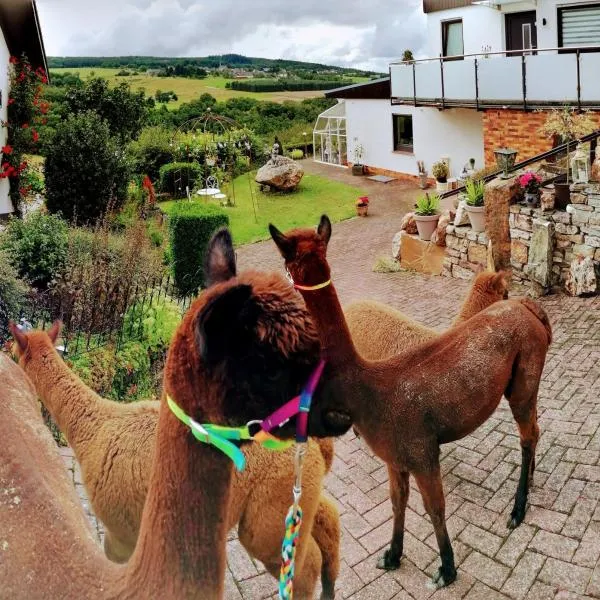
466 251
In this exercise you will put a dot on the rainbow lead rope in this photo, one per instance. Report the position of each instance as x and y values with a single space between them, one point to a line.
293 522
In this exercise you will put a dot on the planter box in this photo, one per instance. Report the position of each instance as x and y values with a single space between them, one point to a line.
358 170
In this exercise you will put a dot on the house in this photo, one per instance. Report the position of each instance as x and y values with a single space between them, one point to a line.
21 34
491 67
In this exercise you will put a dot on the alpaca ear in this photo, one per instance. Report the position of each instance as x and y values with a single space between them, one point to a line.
221 324
19 336
491 264
286 245
324 229
500 283
54 331
219 264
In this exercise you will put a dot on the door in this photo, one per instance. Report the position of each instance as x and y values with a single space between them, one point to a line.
521 33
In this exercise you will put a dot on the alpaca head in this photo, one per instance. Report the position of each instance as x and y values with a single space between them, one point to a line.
305 252
491 286
33 343
248 342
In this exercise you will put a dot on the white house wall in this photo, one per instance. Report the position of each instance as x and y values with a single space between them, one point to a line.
547 35
5 203
457 133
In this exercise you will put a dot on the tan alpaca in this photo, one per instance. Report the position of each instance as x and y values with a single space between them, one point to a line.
113 443
379 331
244 346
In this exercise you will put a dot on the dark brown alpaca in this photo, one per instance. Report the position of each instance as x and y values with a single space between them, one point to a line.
245 347
437 392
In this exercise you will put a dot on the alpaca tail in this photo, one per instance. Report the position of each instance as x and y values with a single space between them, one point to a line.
326 532
540 313
327 452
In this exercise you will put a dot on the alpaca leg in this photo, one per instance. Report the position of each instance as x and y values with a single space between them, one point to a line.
526 417
399 489
430 484
326 532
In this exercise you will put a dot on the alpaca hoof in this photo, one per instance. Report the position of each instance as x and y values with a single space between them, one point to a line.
441 579
388 561
516 518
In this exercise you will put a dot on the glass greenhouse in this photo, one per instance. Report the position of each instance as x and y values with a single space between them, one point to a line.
329 136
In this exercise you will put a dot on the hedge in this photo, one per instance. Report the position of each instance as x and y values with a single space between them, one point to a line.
189 173
284 85
191 226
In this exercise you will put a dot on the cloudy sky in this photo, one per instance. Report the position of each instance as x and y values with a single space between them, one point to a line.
359 33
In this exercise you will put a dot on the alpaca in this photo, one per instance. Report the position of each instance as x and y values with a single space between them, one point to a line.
113 446
379 331
435 392
245 346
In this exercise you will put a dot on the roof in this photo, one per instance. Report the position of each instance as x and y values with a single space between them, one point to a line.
378 89
435 5
21 28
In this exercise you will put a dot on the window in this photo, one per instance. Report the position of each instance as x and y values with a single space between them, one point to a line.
403 133
579 26
452 38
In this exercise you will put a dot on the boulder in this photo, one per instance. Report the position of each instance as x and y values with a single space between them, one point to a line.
461 217
409 224
439 235
581 278
396 245
540 257
281 173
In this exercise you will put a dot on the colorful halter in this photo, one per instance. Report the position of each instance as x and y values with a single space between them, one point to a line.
307 288
222 437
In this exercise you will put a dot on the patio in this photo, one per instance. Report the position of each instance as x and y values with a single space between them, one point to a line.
555 553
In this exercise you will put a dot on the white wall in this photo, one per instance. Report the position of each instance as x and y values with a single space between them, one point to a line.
457 133
548 9
5 203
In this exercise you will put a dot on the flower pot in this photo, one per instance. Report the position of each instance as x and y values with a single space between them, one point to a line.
423 183
426 225
477 217
362 210
441 186
532 199
562 195
358 170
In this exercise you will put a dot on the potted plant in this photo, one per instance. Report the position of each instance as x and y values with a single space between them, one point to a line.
530 184
474 192
427 215
422 175
359 152
440 171
566 125
362 206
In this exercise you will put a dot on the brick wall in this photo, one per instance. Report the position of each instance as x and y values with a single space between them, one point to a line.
516 129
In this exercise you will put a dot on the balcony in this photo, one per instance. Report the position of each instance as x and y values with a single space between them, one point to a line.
550 77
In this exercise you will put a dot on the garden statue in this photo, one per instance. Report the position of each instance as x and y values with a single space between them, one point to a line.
276 150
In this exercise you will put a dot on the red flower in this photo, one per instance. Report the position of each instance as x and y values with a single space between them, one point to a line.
7 149
35 136
11 101
25 126
13 60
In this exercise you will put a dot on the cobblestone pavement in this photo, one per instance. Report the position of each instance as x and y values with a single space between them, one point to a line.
555 552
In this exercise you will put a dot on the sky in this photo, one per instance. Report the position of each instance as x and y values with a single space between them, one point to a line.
365 34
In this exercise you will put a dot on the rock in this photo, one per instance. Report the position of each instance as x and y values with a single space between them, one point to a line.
478 254
281 173
582 277
547 200
439 235
409 224
461 217
396 244
595 173
541 253
518 252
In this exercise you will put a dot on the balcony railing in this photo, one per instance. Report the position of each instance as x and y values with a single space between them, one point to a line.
511 79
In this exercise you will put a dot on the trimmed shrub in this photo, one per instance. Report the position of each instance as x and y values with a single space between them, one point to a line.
37 247
297 154
189 173
85 169
191 226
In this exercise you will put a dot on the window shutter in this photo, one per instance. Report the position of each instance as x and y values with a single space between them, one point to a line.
580 26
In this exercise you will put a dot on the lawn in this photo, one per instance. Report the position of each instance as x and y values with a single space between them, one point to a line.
186 89
314 196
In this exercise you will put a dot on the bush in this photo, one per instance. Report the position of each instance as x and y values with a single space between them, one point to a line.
151 151
189 173
297 154
37 246
86 171
190 227
13 295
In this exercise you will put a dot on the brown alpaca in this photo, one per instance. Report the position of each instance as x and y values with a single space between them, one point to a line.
245 347
436 392
379 331
114 444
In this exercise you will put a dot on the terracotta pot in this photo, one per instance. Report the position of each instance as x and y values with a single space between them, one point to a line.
426 225
477 217
362 211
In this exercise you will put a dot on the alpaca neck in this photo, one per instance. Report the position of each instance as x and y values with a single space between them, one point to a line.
336 342
181 547
76 409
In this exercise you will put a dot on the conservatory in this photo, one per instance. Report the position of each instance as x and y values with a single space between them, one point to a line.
329 136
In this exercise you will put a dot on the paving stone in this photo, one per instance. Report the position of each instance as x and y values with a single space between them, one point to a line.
523 575
486 570
565 575
481 540
515 544
553 544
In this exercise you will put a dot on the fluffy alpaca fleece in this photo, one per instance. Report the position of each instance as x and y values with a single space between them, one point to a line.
113 443
379 331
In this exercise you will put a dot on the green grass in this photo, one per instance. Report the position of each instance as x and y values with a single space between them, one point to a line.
314 196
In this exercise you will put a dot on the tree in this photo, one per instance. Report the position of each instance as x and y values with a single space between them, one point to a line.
125 111
86 171
407 56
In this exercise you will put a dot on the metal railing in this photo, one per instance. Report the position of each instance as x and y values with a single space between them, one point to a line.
483 81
